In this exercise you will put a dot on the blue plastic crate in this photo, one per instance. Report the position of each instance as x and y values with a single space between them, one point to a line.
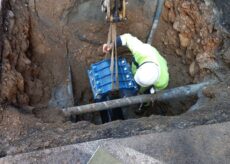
101 80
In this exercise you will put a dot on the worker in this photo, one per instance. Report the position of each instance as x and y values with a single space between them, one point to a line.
149 68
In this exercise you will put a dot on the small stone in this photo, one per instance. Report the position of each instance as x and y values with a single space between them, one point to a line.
226 56
209 93
10 14
38 124
179 52
168 4
60 130
46 144
186 5
171 16
193 69
176 25
184 40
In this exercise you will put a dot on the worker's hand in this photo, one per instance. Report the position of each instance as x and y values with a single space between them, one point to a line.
152 91
107 48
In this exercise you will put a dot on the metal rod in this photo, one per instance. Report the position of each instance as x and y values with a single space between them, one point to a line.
166 95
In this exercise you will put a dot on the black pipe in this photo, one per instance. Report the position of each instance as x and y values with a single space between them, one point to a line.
156 19
166 95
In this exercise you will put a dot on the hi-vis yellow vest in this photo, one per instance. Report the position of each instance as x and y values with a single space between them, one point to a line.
146 53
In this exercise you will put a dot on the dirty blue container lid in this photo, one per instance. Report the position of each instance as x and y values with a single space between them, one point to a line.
101 81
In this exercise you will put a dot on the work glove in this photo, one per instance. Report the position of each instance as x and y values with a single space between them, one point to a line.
104 4
152 90
145 106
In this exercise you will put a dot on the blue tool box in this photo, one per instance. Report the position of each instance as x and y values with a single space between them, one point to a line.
101 80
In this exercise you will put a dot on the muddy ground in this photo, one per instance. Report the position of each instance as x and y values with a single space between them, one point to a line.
40 38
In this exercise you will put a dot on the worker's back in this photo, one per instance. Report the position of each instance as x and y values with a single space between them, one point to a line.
148 53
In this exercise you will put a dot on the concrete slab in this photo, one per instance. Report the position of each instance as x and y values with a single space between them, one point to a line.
204 144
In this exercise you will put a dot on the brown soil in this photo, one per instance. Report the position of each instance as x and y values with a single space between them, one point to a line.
37 37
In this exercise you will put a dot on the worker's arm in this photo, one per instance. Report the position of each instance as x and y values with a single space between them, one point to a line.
134 44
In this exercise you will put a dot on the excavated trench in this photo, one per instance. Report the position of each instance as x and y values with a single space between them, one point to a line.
40 39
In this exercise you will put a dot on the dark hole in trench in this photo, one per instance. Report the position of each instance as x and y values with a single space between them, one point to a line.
173 107
3 154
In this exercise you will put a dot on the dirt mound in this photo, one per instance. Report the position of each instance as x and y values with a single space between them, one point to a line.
18 73
192 35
